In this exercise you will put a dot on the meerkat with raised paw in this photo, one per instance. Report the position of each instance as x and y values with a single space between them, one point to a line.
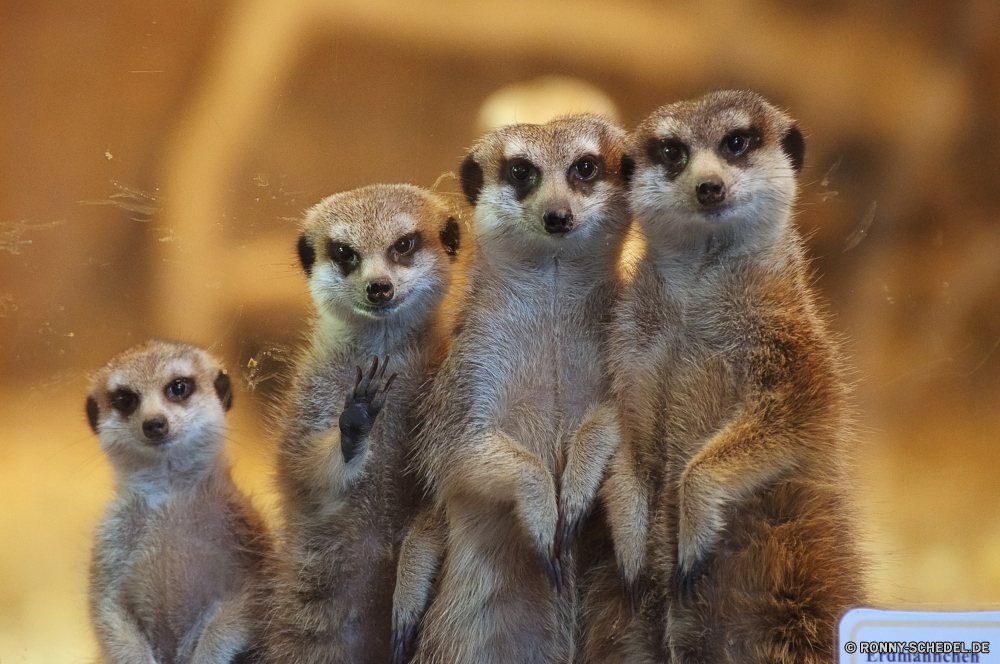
729 497
380 261
181 553
516 432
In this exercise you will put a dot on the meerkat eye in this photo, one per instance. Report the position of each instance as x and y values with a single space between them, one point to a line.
124 400
673 153
521 170
585 169
405 245
739 142
179 389
340 253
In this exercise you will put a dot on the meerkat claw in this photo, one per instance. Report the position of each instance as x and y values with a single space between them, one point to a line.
686 580
361 407
402 642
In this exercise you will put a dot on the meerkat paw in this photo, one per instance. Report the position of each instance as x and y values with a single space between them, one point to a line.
403 637
698 529
361 407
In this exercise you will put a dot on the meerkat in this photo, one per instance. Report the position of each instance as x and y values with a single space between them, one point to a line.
181 552
515 431
379 261
728 498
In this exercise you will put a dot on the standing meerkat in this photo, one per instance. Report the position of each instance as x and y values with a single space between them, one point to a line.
515 437
734 405
380 261
181 552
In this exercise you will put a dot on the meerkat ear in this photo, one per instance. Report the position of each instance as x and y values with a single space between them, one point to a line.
471 175
627 168
224 388
450 236
795 147
307 254
92 412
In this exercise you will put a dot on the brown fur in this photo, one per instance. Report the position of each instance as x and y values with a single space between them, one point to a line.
516 410
736 416
344 521
181 553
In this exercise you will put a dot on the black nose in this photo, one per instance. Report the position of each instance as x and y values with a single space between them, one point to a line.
560 221
379 291
155 429
711 191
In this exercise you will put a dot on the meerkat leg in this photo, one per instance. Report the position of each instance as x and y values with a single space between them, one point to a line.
741 458
120 638
504 470
626 499
419 561
225 634
588 451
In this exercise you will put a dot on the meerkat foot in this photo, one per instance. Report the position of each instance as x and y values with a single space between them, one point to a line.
361 407
632 587
554 570
403 637
687 580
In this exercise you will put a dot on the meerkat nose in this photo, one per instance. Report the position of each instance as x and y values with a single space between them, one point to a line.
560 221
155 429
379 291
711 191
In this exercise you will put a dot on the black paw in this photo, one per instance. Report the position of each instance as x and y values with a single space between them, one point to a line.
361 407
402 643
566 533
633 592
686 581
554 571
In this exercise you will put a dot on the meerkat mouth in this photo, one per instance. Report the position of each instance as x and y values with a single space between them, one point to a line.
379 310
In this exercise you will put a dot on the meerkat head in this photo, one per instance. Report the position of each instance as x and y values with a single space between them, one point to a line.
378 252
722 165
556 187
161 399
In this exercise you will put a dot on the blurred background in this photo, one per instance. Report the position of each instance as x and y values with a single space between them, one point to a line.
156 157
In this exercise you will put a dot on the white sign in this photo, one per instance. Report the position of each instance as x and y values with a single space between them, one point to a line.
873 635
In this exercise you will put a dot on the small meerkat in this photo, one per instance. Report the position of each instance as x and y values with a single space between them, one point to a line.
181 552
731 392
380 261
515 431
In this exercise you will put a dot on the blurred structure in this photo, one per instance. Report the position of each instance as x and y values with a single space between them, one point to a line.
157 157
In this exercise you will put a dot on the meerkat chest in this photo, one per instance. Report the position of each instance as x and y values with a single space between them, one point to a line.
182 564
544 347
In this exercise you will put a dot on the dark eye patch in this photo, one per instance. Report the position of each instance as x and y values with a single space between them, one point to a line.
179 389
739 143
342 256
405 247
522 175
124 400
671 153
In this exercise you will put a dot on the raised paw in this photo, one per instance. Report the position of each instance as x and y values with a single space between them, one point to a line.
402 642
687 577
361 407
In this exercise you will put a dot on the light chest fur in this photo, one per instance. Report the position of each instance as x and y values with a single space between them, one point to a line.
514 411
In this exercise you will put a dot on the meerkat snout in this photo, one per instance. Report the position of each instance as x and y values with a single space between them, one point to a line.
711 190
379 292
558 221
155 429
